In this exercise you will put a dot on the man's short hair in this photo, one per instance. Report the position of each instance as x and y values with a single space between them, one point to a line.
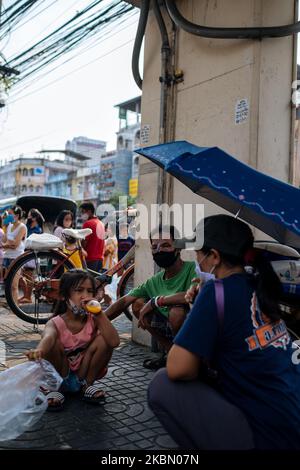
165 229
87 206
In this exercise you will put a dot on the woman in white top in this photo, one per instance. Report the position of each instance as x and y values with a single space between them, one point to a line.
14 243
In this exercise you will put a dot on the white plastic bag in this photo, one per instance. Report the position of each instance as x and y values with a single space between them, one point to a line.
40 241
111 289
22 403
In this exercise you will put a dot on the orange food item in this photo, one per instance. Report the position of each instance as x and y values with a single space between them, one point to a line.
93 306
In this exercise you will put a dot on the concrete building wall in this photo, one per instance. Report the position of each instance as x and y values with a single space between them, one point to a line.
218 75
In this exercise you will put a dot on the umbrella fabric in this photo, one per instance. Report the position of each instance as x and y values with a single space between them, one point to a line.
262 201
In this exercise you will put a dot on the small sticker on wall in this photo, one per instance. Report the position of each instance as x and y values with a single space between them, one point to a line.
241 111
145 134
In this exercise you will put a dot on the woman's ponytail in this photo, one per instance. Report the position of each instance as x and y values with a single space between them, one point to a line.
268 288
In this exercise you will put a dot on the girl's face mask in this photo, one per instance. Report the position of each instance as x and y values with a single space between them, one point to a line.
75 309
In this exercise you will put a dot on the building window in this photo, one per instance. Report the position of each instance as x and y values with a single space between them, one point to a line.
31 172
31 189
24 188
137 139
120 142
127 144
25 172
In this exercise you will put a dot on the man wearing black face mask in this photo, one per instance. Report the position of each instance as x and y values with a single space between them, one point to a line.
159 303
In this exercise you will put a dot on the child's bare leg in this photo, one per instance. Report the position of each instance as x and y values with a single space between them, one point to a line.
58 358
177 315
59 361
95 360
15 287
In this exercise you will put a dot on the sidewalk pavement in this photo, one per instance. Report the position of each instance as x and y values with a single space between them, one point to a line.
124 422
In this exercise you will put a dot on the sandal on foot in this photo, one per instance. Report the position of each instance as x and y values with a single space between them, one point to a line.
91 395
55 401
155 364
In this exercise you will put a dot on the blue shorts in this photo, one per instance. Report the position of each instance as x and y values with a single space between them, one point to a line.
71 383
6 262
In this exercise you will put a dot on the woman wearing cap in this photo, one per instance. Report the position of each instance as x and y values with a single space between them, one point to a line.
235 327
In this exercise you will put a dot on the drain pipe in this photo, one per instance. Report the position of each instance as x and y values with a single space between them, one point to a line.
165 77
292 159
145 5
165 80
229 33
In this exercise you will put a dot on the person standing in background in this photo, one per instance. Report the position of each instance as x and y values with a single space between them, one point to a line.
125 241
94 243
35 222
6 220
35 225
1 251
65 219
14 243
111 249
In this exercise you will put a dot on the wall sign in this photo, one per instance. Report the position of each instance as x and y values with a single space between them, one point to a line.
145 134
241 111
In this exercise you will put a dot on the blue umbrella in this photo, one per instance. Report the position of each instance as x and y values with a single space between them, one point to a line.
262 201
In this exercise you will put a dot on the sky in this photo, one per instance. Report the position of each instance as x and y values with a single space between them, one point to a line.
76 99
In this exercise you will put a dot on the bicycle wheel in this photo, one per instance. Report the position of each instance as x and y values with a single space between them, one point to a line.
126 283
37 274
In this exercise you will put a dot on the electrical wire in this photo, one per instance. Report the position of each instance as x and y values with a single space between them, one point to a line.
56 44
54 57
23 23
53 21
72 72
95 43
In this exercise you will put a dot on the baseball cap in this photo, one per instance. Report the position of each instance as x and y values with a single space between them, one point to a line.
221 232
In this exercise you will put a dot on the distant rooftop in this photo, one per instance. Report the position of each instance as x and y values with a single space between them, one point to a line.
131 105
69 153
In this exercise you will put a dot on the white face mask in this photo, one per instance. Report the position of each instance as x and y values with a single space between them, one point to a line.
76 310
203 275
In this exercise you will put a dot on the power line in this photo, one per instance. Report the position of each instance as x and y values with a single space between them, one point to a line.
26 141
72 72
34 16
57 30
95 43
54 21
71 39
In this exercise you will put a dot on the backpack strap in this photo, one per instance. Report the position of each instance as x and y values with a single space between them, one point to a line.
219 293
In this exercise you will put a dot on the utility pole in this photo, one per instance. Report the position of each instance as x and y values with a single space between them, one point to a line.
4 70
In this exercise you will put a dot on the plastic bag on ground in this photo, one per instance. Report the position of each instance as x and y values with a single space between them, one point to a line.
22 403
